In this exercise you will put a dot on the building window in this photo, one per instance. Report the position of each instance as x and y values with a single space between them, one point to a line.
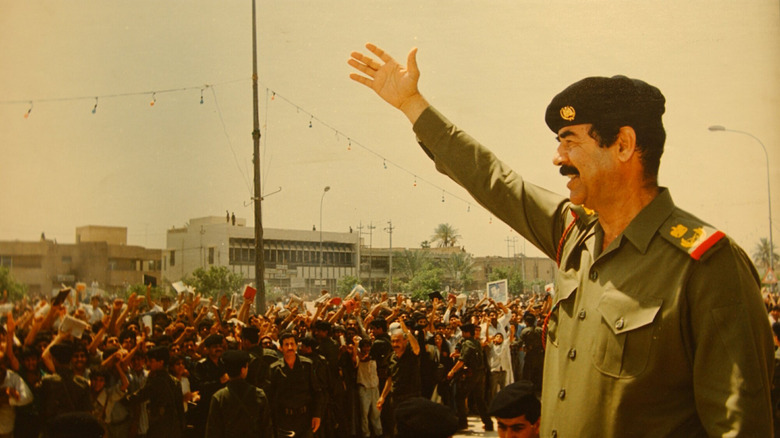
173 258
6 261
67 259
211 256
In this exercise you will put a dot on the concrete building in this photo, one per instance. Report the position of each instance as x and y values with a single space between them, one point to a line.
292 257
100 257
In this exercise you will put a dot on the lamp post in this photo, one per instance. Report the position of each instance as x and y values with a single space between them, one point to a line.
325 190
716 128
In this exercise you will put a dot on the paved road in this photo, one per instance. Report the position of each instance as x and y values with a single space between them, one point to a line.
475 429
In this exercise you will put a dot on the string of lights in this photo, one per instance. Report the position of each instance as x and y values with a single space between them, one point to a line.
350 141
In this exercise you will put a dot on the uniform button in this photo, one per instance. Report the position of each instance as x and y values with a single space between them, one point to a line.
562 394
554 434
582 314
619 323
594 275
572 353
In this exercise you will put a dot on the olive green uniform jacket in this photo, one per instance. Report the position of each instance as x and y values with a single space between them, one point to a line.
662 334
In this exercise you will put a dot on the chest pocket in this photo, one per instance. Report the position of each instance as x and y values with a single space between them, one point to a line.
624 340
566 283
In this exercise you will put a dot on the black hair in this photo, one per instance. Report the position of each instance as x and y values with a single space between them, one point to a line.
650 139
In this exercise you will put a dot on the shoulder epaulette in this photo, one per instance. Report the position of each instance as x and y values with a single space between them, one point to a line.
690 235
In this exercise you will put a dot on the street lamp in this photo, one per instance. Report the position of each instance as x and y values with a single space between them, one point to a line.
325 190
715 128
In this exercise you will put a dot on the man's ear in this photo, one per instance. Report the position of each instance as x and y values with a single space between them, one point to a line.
626 143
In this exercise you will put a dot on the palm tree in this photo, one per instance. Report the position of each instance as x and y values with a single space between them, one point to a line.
411 262
459 268
445 235
761 253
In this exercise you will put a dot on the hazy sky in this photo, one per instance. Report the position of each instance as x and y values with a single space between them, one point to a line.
491 66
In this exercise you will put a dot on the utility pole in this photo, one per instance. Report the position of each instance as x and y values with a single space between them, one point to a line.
259 254
360 262
371 228
389 230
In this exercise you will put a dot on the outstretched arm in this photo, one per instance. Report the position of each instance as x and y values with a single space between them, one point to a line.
393 82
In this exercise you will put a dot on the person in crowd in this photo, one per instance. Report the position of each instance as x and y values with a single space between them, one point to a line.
240 409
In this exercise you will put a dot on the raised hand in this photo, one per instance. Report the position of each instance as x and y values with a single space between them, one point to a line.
393 82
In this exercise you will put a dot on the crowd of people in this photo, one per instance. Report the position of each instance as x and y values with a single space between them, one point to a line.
186 366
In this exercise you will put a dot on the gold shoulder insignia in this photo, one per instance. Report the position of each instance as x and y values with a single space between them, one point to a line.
690 235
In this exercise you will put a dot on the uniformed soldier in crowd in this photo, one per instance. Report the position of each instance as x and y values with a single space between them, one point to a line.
163 392
403 381
517 411
239 409
531 339
250 342
381 351
470 373
657 326
208 378
295 396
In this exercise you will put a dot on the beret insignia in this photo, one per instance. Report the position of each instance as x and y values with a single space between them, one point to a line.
568 113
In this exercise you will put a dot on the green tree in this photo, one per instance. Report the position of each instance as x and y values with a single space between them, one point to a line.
425 244
16 290
513 277
409 263
445 235
761 253
424 282
346 284
215 281
459 268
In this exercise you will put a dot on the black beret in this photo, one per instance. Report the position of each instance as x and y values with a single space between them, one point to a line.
420 417
322 325
160 352
62 352
235 359
212 340
619 100
515 400
436 294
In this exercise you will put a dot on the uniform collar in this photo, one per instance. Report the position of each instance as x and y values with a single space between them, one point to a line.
644 226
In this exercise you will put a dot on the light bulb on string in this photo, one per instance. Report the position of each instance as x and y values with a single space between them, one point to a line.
468 209
491 220
29 110
349 145
154 99
94 108
312 118
442 196
415 181
273 95
384 163
201 96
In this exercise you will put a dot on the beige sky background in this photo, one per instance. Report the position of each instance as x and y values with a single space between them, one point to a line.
490 65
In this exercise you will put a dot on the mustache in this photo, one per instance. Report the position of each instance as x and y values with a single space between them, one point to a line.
568 170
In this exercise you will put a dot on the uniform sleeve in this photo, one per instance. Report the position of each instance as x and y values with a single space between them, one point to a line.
731 345
266 424
535 213
215 428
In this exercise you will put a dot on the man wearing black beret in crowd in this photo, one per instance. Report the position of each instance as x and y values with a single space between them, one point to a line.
657 326
419 417
62 392
208 377
239 409
517 411
163 392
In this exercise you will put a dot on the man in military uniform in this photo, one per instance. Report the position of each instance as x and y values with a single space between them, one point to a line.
657 327
208 378
239 409
163 392
295 396
403 380
470 369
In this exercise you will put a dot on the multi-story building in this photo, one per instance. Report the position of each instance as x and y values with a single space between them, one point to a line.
100 258
292 257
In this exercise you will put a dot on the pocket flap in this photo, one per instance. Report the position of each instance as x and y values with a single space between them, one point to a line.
623 313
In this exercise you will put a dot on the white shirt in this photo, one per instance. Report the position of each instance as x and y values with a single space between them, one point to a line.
8 412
